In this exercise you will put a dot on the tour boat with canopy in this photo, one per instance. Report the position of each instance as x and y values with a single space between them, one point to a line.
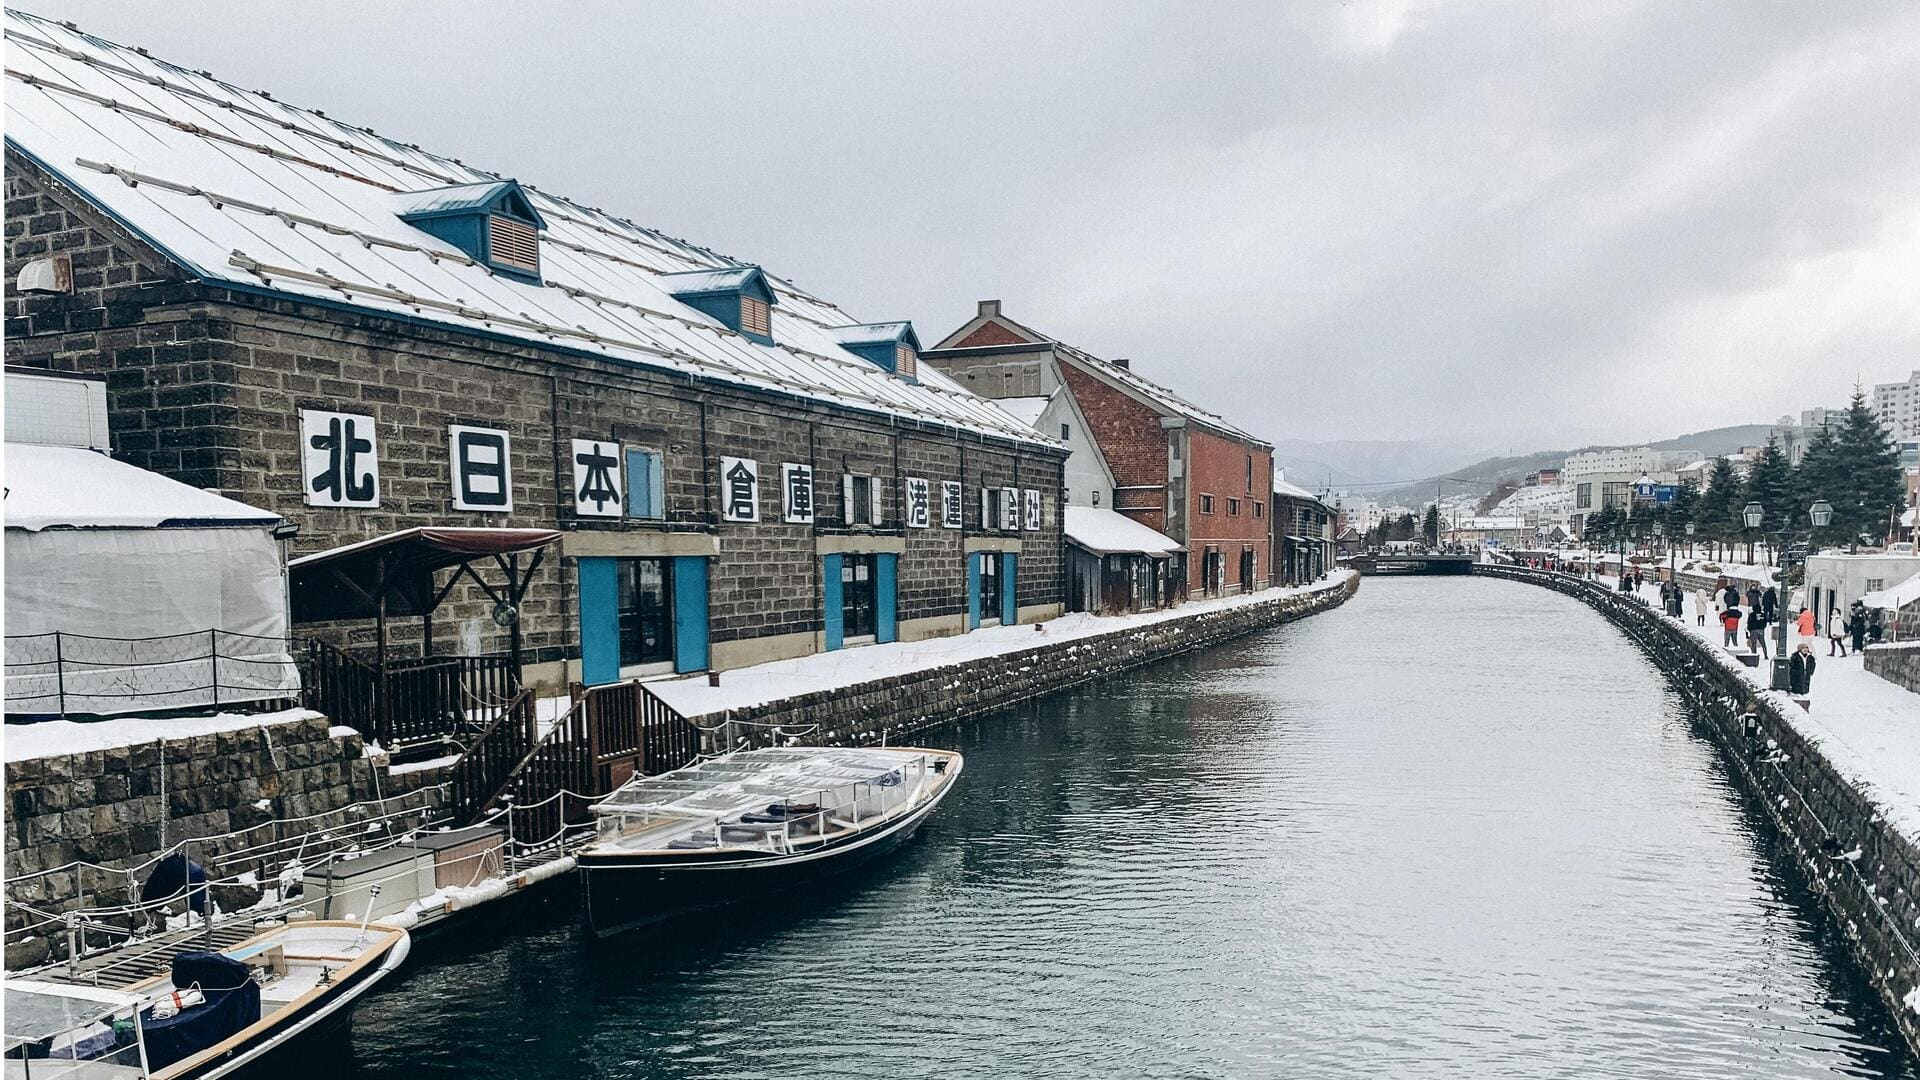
750 823
213 1014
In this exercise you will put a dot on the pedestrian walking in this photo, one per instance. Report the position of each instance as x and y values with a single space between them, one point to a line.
1770 603
1639 581
1836 633
1730 596
1757 632
1800 671
1857 626
1876 627
1701 602
1730 627
1804 624
1753 598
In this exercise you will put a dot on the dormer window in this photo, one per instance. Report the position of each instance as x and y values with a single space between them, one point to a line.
738 296
892 347
494 223
756 317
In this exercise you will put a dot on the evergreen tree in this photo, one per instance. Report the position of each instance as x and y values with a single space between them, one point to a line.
1717 513
1868 488
1680 511
1430 528
1769 483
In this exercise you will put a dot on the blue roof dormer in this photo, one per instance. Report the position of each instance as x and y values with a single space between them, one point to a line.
495 222
738 296
892 347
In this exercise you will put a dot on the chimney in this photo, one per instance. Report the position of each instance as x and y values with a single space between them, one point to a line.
989 308
1123 362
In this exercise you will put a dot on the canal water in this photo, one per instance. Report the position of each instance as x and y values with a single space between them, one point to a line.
1458 827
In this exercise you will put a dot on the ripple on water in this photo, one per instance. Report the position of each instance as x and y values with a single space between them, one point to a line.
1454 828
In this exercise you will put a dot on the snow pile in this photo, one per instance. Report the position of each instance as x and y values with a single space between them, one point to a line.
51 738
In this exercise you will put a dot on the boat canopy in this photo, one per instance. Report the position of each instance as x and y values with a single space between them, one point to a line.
751 779
38 1011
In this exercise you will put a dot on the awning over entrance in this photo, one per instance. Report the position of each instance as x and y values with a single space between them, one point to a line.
350 582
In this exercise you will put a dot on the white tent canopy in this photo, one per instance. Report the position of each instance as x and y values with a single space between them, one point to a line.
127 591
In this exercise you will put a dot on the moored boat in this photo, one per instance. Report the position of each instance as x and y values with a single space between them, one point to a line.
751 823
246 1008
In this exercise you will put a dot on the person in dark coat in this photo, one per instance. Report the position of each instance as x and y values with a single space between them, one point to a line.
1757 632
1876 627
1770 603
1730 597
1800 671
1857 625
174 876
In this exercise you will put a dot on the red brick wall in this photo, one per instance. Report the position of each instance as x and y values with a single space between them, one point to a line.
1131 438
1218 467
991 333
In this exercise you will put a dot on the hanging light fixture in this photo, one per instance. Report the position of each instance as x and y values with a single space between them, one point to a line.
1822 514
1754 514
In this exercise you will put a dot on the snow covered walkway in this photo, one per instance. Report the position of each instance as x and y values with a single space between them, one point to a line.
1869 726
764 683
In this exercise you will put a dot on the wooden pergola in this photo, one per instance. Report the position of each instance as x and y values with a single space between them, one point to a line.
394 576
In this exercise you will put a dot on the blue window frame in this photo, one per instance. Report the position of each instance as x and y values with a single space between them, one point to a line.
645 497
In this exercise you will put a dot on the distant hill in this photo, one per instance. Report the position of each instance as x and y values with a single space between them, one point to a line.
1481 475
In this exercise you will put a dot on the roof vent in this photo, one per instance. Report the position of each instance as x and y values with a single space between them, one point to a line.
494 222
1124 363
892 347
738 296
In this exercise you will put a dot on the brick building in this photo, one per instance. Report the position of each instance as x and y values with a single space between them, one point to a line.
1176 467
364 338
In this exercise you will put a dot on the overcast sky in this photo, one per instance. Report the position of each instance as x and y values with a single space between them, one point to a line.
1517 226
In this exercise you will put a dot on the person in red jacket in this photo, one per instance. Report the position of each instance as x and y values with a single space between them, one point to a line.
1730 623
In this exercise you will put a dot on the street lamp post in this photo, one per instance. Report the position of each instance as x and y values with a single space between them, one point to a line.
1820 515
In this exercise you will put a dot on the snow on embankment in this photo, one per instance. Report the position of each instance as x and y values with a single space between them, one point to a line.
766 683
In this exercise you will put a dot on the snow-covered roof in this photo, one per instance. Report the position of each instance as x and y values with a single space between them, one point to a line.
1147 389
1025 409
50 487
1282 486
252 193
1895 597
1108 532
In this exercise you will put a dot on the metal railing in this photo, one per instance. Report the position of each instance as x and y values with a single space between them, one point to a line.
63 673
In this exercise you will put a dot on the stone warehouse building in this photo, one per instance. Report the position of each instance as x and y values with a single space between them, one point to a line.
366 338
1176 468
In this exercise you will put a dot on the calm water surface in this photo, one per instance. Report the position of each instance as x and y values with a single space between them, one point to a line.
1456 828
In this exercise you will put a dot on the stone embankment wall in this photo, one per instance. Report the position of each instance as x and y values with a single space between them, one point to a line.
900 706
75 823
1859 850
1898 663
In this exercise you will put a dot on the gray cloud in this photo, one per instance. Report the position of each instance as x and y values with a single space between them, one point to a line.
1507 223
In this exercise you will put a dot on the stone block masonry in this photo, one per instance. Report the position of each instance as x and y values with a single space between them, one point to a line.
898 707
1898 663
1858 849
75 821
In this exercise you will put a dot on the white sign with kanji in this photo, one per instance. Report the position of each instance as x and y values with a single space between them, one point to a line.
919 502
482 471
1032 522
953 506
1010 509
739 489
596 478
796 493
339 459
